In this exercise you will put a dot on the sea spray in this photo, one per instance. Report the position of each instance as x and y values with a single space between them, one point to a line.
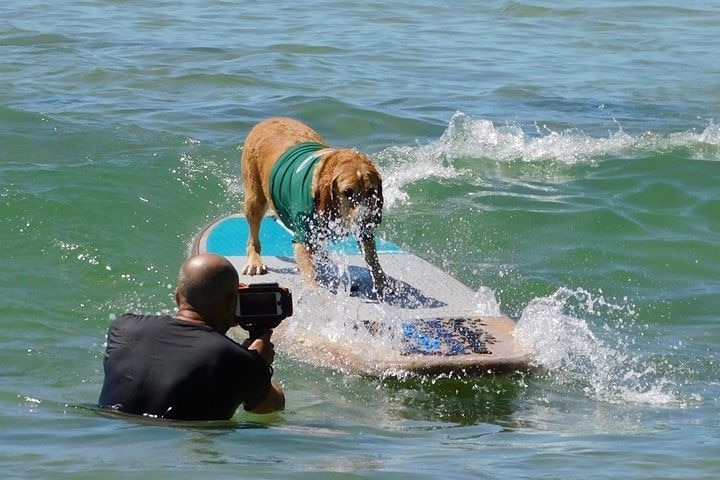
486 303
600 360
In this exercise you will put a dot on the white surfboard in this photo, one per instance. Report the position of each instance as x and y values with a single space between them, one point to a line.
428 324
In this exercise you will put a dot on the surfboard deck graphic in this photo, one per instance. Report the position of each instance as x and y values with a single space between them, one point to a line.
426 324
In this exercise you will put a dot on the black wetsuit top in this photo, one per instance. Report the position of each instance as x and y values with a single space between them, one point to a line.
170 368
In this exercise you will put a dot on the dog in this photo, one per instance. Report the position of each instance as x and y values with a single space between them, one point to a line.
318 192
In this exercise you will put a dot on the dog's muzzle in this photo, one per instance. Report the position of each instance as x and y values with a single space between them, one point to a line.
367 220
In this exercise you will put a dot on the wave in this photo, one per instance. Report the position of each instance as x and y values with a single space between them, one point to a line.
473 150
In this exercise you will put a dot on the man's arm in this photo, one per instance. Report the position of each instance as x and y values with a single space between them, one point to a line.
275 398
273 401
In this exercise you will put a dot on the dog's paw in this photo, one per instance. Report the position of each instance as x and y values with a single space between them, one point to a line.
254 269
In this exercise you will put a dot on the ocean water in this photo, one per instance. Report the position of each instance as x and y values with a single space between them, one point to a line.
561 158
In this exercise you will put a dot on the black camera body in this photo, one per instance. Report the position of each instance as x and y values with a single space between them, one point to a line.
262 306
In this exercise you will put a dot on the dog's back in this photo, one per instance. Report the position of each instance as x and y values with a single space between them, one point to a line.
265 143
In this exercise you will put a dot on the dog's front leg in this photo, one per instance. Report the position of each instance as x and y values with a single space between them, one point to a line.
254 213
371 258
303 257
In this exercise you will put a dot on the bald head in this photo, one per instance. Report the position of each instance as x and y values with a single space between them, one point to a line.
208 287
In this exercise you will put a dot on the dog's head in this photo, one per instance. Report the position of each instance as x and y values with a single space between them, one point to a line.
352 192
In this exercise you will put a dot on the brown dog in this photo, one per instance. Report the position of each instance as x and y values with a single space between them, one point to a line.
318 192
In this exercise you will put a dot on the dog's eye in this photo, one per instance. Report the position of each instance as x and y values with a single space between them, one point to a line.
348 193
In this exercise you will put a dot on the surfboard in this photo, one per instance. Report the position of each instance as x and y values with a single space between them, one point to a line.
427 323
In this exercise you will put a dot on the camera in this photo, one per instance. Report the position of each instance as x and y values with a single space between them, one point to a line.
262 306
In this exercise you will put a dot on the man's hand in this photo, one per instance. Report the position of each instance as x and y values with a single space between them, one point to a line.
275 399
264 347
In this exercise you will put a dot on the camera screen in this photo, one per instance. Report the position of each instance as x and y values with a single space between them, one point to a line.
264 303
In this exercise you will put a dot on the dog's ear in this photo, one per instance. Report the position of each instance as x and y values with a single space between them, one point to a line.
325 194
374 199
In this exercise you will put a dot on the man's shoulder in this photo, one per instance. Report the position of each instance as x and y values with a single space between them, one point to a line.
126 318
142 316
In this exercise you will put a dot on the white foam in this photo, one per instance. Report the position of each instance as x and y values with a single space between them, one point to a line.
467 137
407 165
479 152
598 359
486 303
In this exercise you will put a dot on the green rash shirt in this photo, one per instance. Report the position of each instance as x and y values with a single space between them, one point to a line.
291 188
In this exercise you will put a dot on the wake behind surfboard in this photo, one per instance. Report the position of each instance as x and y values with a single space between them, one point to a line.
427 324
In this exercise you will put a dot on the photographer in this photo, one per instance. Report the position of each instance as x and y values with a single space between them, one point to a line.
184 367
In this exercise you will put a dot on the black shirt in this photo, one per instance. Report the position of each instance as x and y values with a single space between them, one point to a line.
170 368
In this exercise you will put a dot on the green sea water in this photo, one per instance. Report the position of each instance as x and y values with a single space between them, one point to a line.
561 160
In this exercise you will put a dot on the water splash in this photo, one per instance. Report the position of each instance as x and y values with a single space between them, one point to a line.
602 363
486 303
376 335
466 137
198 169
478 151
407 165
